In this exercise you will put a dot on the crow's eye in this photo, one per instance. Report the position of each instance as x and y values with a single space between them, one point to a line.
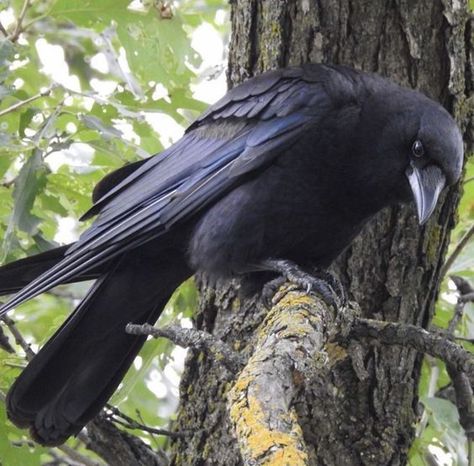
417 149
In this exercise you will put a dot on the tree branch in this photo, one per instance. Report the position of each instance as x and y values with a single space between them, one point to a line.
295 345
187 337
289 352
76 456
19 340
463 391
5 342
457 250
120 418
118 447
394 333
20 104
3 30
18 29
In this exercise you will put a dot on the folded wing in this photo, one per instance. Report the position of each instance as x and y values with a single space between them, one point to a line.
243 132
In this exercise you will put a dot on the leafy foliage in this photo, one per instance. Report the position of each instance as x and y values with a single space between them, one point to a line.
82 86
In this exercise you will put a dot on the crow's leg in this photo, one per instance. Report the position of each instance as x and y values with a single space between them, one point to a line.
326 285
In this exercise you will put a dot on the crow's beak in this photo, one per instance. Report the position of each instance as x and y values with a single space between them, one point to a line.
426 184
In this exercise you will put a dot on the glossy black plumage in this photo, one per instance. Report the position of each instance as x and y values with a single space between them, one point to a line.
288 165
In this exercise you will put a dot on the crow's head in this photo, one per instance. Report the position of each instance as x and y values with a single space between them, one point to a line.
435 158
415 146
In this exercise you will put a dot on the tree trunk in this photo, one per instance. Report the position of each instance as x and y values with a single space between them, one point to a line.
392 269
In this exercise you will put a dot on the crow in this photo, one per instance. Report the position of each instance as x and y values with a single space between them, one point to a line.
279 175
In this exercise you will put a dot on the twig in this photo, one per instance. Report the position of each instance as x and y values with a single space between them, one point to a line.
10 323
45 126
457 250
459 362
187 337
77 457
116 446
394 333
123 109
22 103
130 423
3 30
152 435
453 323
18 29
5 343
467 340
463 391
59 460
467 298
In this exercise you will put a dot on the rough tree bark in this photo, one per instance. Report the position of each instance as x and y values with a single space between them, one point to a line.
392 269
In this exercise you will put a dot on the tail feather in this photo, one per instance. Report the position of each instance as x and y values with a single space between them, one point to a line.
74 374
18 274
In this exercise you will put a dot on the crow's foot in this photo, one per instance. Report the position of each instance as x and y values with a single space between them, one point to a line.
323 283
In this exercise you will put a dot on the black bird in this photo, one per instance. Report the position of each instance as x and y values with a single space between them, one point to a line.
283 170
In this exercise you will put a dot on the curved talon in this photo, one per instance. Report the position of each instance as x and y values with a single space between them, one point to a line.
325 284
270 289
335 284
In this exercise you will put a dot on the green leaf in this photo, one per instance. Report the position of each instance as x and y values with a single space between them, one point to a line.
30 181
5 91
7 50
25 119
157 49
108 132
445 419
5 162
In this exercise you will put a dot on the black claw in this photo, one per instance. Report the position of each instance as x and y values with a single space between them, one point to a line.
335 285
323 283
269 290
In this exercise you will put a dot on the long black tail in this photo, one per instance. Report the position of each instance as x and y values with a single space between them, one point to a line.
16 275
75 373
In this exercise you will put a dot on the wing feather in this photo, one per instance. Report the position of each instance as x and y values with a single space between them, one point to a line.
243 132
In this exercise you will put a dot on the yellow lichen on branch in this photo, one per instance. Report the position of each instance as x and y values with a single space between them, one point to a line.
289 350
278 448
